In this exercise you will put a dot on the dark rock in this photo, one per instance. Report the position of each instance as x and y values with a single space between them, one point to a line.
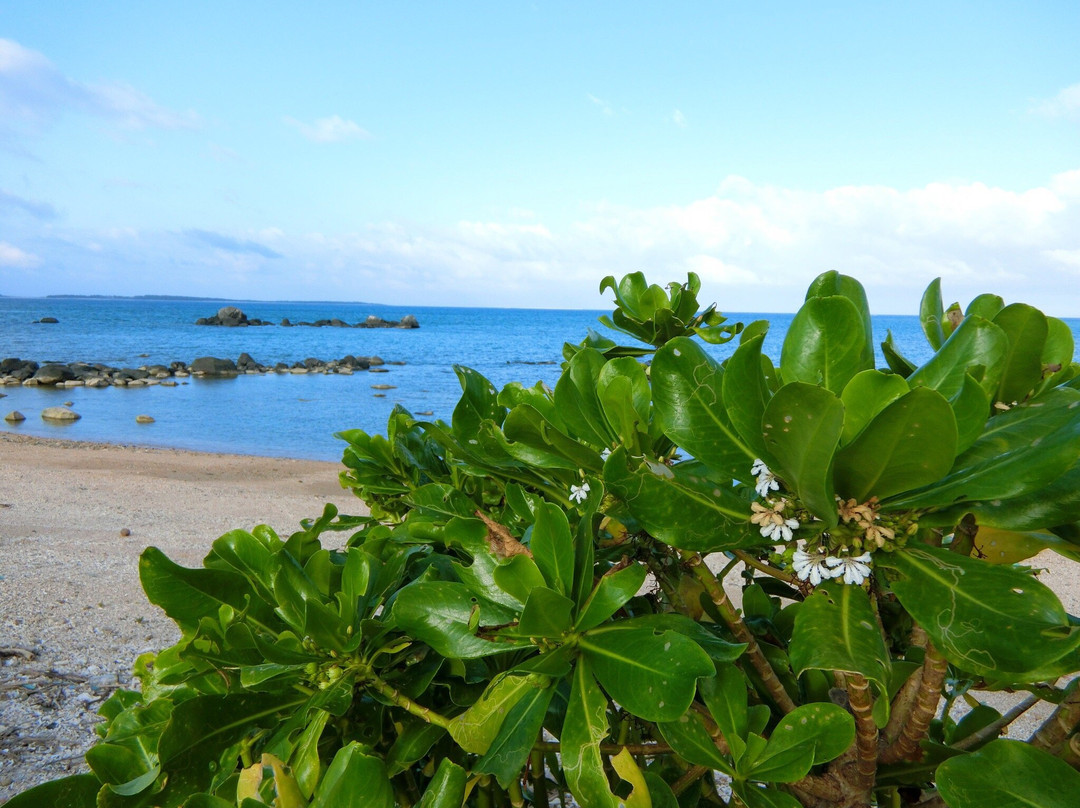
375 360
231 316
311 363
408 321
14 417
48 320
212 366
133 373
10 364
158 371
285 322
245 362
338 323
53 374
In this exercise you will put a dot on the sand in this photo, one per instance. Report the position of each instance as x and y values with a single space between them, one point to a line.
73 617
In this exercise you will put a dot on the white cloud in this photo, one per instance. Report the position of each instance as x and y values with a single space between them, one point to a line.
1066 104
12 256
33 92
679 119
334 129
604 106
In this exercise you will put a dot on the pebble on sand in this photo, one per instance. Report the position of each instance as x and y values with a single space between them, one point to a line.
144 419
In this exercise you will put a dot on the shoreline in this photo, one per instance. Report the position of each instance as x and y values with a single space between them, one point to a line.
73 616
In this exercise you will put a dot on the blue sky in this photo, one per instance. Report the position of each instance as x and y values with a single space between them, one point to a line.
515 153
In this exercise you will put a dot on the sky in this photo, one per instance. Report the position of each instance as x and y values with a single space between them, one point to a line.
515 153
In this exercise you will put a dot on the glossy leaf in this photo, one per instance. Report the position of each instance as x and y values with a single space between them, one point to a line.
354 780
517 733
691 740
1020 451
746 392
476 728
897 362
553 548
577 401
836 630
754 796
584 729
976 346
479 402
997 546
988 620
832 283
517 576
1026 329
802 427
414 741
909 444
686 512
867 394
447 787
76 791
438 613
825 344
625 398
688 397
931 314
530 438
613 590
807 736
1057 353
971 408
725 696
1008 774
546 614
652 674
986 306
1055 504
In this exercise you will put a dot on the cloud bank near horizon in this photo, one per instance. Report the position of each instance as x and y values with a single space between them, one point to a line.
756 247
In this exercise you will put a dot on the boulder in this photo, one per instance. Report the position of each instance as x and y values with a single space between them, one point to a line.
144 419
48 320
212 366
14 417
409 321
231 316
53 374
285 322
59 414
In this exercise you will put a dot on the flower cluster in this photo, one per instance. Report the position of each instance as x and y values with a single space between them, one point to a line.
774 525
865 517
766 481
816 567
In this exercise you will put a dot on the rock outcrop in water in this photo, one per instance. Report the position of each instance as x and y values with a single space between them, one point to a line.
232 317
77 374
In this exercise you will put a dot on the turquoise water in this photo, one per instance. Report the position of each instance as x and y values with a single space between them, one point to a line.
294 415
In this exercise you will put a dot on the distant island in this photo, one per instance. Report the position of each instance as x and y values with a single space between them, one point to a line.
130 297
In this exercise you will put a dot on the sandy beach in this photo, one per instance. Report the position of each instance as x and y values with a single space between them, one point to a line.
74 518
73 617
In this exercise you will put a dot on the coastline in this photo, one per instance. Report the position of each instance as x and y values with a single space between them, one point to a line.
73 617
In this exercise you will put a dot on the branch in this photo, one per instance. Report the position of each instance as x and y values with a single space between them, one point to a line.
404 702
993 729
1060 724
738 628
612 748
693 774
904 701
866 732
915 728
760 566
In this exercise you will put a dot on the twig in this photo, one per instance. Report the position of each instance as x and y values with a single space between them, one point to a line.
768 569
742 633
1061 722
992 729
14 650
693 774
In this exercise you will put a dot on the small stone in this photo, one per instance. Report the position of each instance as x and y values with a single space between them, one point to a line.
378 370
379 395
69 403
59 414
383 387
426 412
144 419
125 532
14 417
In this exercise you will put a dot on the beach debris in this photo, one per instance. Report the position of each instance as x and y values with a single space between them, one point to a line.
14 417
125 532
144 419
61 414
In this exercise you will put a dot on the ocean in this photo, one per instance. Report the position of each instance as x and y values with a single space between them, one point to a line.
287 415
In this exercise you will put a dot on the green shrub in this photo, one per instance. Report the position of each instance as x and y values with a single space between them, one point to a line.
526 616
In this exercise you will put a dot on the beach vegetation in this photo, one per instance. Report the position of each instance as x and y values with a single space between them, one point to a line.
670 581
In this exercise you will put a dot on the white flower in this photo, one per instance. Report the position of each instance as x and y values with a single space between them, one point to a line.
811 567
854 569
781 532
604 455
579 493
766 480
773 524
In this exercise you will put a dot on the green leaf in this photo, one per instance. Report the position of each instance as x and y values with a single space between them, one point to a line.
250 557
825 344
987 620
438 613
976 346
867 394
1008 774
354 780
1026 329
931 314
625 398
684 511
807 736
518 732
447 787
746 392
471 535
414 742
754 796
584 729
836 630
615 588
479 402
577 401
910 443
476 728
832 283
553 548
971 408
688 397
660 793
1055 504
725 696
77 791
1020 451
691 740
1057 352
546 614
897 362
802 427
652 674
986 306
517 576
188 595
530 438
